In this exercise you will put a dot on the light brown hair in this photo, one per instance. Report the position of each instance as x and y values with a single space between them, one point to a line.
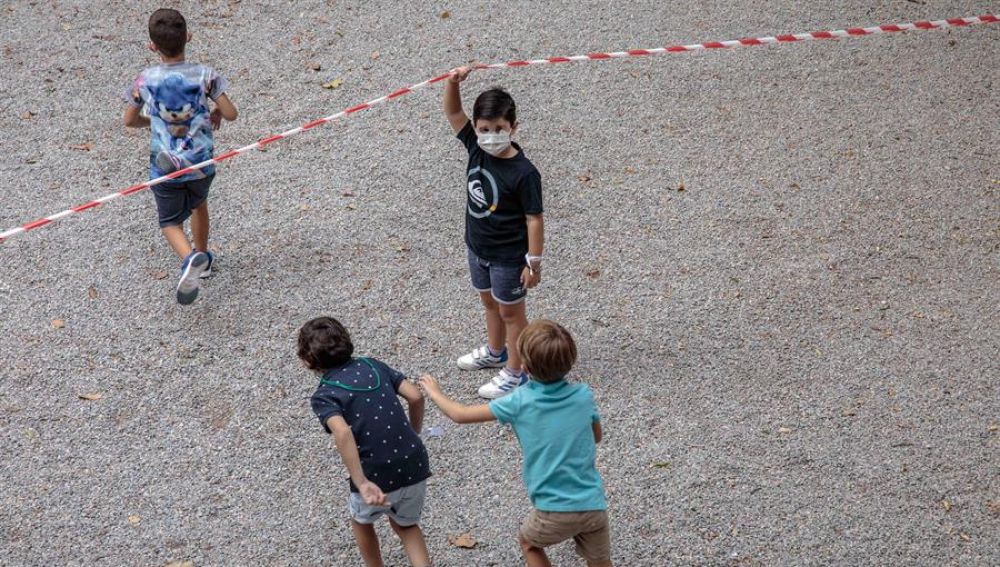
547 350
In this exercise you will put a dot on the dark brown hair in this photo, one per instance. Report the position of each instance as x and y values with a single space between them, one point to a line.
324 343
493 104
168 31
547 351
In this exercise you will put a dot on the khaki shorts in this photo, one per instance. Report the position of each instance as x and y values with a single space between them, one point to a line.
589 530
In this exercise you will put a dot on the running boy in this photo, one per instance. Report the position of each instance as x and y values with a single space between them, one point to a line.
503 227
356 402
557 425
172 98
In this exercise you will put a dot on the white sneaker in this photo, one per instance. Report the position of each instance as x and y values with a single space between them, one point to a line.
481 358
502 384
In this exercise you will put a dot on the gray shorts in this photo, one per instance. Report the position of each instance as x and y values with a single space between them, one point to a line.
175 201
502 281
404 506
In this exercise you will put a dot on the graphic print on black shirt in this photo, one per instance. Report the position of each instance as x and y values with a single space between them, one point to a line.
365 393
500 193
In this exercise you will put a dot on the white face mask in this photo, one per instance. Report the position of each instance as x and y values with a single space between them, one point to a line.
494 143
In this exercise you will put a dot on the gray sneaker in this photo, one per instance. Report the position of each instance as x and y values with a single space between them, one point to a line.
192 268
481 358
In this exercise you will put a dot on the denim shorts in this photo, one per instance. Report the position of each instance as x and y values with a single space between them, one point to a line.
502 281
175 201
403 506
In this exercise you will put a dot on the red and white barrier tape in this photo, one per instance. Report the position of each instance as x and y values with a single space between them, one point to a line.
811 36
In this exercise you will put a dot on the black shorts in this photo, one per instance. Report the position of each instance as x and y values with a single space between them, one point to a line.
175 201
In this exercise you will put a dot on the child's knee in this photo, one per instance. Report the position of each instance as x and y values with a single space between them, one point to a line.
512 313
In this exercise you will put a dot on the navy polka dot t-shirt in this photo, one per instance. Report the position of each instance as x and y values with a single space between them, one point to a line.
392 455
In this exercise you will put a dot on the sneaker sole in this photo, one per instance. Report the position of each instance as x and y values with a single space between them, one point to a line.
187 287
462 366
492 396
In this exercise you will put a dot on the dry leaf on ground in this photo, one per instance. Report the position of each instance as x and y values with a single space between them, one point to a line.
58 323
92 292
84 147
334 84
465 541
134 520
90 397
445 15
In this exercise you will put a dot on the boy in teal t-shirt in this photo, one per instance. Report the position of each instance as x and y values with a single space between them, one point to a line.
557 425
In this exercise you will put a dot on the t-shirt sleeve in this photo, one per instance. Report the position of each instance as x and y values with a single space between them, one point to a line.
531 193
325 407
594 415
132 94
215 85
505 409
468 137
395 376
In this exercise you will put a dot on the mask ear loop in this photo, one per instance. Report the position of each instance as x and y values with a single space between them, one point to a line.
378 380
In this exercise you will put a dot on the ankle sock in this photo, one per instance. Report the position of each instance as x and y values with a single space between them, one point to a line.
496 353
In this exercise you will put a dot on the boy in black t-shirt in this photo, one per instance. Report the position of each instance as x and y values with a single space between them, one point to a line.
504 230
356 401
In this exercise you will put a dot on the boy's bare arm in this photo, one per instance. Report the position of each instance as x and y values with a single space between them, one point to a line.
532 274
415 401
348 449
598 432
226 107
133 117
453 99
459 413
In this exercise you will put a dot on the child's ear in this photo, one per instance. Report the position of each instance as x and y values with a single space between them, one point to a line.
513 128
152 47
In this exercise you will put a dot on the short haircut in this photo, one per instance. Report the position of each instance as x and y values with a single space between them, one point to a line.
324 343
493 104
547 351
168 31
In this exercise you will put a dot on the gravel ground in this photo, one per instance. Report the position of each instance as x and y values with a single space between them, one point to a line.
796 356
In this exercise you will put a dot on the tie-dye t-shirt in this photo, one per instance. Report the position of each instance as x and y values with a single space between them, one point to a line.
175 97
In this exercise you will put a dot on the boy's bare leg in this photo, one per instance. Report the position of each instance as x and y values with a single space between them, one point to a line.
413 543
515 320
534 556
199 227
495 332
177 239
367 540
600 564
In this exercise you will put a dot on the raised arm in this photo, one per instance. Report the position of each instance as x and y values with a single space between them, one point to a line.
415 402
133 117
348 449
459 413
453 99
